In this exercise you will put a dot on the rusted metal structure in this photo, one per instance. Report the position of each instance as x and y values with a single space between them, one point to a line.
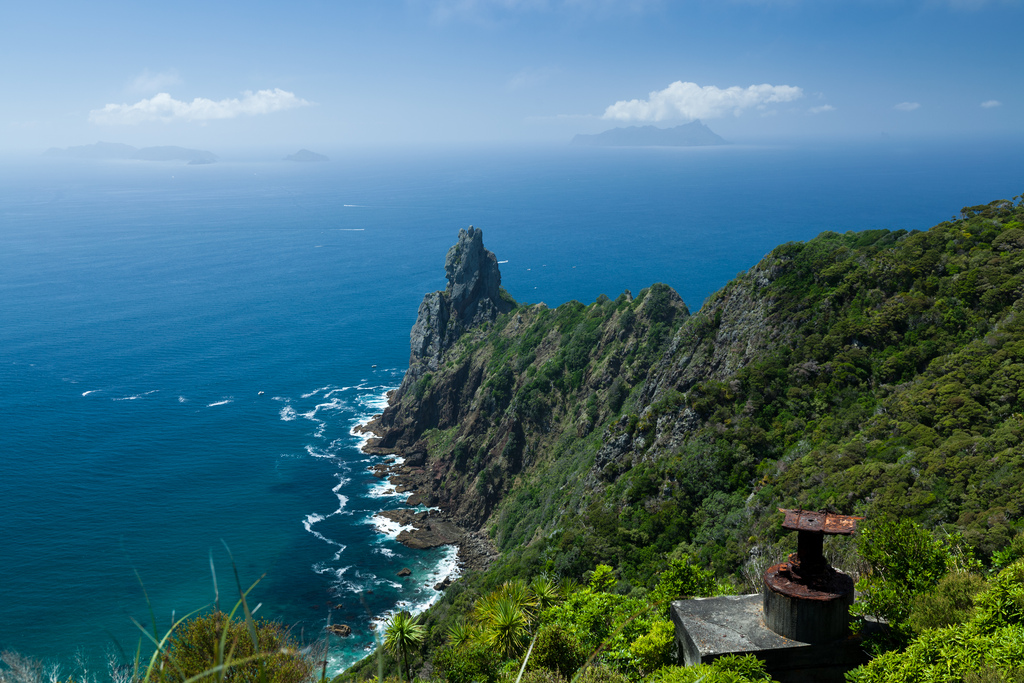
805 598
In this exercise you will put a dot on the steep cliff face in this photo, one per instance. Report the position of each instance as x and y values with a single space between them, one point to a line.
854 372
473 297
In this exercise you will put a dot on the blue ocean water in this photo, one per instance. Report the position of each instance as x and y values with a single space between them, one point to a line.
146 306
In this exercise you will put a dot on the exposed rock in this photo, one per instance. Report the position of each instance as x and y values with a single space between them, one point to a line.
405 572
473 297
433 529
342 630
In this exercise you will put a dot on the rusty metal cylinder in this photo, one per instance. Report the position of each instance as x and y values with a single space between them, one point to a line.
817 613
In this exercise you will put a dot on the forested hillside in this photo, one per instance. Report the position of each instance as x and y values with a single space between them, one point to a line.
876 373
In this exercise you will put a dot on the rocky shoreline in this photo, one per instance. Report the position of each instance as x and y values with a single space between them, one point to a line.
429 529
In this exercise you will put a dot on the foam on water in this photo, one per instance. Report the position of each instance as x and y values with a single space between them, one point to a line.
315 392
386 527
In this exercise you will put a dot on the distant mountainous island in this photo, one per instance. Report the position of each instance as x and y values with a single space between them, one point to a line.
304 155
693 134
115 150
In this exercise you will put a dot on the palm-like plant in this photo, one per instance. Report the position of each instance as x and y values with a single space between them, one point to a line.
506 622
545 592
401 633
462 632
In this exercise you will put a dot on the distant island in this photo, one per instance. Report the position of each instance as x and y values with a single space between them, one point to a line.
305 155
115 150
693 134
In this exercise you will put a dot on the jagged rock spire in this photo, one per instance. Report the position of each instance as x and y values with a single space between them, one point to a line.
473 297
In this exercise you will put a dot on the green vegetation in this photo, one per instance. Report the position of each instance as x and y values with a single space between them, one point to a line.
401 634
987 647
878 373
203 643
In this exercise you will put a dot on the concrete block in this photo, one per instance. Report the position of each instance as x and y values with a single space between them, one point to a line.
707 628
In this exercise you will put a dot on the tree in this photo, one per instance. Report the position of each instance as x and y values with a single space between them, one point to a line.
401 633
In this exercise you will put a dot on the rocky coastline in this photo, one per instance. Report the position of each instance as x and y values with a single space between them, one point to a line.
431 528
473 298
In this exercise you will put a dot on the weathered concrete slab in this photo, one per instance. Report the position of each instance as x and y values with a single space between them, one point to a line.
707 628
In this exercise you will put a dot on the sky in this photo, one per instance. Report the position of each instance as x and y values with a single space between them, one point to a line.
226 74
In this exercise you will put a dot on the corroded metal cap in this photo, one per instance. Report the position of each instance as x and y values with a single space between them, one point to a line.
823 522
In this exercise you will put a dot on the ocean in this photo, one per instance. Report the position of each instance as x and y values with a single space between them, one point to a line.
185 350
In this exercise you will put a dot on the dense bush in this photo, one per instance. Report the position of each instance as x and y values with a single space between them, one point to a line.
725 669
990 645
558 650
470 662
950 602
193 649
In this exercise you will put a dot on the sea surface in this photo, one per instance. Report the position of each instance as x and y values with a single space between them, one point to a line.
185 350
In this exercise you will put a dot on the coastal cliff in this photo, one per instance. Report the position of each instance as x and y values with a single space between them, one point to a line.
859 373
473 298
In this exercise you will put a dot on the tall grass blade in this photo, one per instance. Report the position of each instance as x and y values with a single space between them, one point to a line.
149 605
529 651
250 623
216 593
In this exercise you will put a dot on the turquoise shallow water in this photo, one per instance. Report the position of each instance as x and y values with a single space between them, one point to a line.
146 306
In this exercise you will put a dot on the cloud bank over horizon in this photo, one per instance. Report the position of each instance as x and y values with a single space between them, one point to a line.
162 107
689 101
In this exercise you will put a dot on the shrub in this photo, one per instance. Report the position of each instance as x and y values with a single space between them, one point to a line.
602 579
683 579
540 676
192 649
601 674
558 650
1010 554
950 602
990 646
1002 603
905 561
725 669
472 662
655 649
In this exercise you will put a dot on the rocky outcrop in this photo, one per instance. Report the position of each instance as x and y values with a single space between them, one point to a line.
473 297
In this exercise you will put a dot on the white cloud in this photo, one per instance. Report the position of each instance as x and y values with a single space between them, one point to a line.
147 82
988 104
822 109
684 100
907 106
163 107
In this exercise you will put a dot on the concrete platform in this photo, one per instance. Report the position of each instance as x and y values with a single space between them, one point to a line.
707 628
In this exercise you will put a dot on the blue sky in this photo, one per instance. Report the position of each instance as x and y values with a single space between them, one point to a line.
224 75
